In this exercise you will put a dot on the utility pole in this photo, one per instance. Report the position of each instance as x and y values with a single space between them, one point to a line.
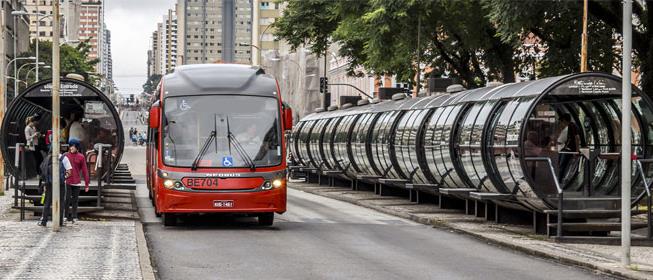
419 27
583 50
56 85
3 91
327 94
626 153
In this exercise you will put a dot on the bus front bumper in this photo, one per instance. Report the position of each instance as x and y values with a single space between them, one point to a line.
273 200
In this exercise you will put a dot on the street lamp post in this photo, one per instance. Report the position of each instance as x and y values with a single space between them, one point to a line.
17 75
39 18
15 71
30 71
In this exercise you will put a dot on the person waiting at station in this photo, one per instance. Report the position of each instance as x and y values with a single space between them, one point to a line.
76 169
46 172
568 142
76 131
32 136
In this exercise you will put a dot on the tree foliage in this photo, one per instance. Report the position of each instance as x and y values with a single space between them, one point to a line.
558 24
73 59
473 41
382 36
151 84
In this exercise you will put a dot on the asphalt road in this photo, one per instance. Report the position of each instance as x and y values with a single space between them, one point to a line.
321 238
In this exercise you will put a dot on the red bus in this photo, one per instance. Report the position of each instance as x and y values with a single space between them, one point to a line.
216 143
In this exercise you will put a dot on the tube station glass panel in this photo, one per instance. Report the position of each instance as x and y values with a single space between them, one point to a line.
464 143
499 150
401 140
303 143
327 142
513 135
476 140
436 142
341 142
453 179
413 149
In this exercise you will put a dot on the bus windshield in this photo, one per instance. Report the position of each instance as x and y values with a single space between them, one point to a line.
221 131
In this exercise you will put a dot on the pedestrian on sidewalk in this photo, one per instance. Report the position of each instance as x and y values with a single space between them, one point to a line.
74 180
46 171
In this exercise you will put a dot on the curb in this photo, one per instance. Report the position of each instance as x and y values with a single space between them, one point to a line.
624 274
144 259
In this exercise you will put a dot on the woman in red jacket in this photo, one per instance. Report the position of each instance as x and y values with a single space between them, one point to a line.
75 169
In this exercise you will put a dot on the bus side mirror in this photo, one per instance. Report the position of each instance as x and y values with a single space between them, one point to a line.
155 117
287 119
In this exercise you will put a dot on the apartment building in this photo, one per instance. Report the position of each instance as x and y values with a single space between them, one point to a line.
213 31
155 53
91 19
265 13
41 25
107 57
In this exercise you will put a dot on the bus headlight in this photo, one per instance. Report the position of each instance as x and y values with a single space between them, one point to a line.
277 183
168 184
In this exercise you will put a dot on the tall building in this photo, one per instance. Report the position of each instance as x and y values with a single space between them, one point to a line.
92 28
265 13
169 41
107 57
156 52
213 31
42 25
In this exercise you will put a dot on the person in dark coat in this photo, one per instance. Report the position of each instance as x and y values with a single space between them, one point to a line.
46 172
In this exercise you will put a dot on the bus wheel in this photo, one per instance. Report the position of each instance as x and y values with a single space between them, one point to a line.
169 219
266 219
156 210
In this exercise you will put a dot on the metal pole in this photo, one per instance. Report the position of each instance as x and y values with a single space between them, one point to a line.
327 94
56 188
626 153
419 27
38 22
14 58
583 50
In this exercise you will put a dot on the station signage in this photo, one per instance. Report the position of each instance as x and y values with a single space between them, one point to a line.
589 86
67 89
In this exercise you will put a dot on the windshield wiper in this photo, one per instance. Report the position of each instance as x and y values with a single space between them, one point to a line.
203 150
239 148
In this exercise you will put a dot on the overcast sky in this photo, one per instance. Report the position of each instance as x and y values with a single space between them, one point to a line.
131 23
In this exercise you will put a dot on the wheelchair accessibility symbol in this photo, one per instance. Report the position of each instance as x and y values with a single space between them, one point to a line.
184 106
227 161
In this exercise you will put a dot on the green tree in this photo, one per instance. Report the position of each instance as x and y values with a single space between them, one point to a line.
151 83
309 22
73 59
455 37
558 24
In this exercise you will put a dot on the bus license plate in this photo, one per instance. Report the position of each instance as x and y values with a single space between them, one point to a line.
223 203
201 183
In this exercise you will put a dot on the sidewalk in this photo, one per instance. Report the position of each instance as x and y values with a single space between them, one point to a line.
603 258
84 250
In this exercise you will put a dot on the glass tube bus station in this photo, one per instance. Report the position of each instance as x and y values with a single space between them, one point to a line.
508 145
98 120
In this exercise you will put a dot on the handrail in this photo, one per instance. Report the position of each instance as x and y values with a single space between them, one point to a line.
548 160
644 181
560 192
